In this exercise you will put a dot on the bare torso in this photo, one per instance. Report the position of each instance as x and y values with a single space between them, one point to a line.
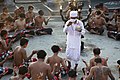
53 60
39 21
20 24
3 17
30 16
39 70
100 72
19 56
99 22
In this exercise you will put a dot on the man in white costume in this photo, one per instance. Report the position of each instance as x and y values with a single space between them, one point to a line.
74 29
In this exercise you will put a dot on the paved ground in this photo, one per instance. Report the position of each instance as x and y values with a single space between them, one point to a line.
110 48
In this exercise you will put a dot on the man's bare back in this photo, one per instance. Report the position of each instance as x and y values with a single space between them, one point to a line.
39 70
19 56
100 72
55 60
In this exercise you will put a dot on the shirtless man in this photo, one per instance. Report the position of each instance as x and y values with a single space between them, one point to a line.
104 8
18 11
97 24
30 14
55 59
100 72
39 24
20 55
9 24
20 23
40 19
39 70
96 52
4 14
5 45
115 34
21 74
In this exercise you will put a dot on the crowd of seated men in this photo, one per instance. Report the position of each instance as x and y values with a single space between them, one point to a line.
26 24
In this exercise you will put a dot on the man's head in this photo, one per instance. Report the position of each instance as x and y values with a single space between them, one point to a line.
101 5
30 8
24 42
72 73
55 48
5 10
118 62
23 70
4 33
98 60
21 7
22 16
40 12
96 51
41 54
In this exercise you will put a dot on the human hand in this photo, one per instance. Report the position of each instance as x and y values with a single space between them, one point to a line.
70 23
34 52
83 60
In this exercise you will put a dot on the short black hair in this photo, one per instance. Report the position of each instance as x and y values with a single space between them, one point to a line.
118 62
98 12
96 51
4 8
23 70
55 48
101 4
23 41
3 32
30 6
40 12
97 6
41 54
98 60
72 73
22 15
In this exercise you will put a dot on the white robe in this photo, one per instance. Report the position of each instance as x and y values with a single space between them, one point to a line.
73 40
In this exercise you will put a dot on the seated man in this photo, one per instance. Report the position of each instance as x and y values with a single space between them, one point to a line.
100 72
115 34
21 74
39 70
30 15
5 14
96 24
9 24
56 60
20 23
20 55
96 52
39 24
5 43
18 11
